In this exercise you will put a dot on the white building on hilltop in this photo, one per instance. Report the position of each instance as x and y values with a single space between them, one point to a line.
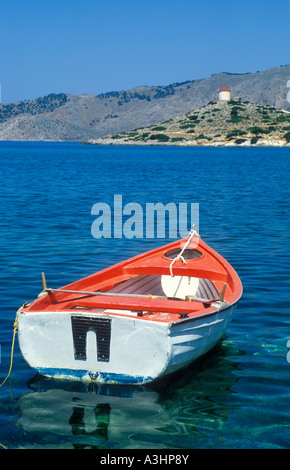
224 94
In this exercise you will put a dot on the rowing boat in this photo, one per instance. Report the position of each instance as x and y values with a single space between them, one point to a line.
135 322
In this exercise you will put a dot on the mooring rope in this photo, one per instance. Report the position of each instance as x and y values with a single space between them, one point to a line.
192 233
12 351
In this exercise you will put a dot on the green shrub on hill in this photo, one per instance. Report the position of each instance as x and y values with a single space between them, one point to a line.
256 130
158 128
201 136
187 126
255 139
235 133
159 137
235 119
235 110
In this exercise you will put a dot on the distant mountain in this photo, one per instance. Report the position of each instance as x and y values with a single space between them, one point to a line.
65 117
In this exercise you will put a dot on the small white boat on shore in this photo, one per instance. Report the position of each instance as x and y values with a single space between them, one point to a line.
135 322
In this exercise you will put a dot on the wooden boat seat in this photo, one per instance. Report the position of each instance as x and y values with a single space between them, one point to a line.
177 287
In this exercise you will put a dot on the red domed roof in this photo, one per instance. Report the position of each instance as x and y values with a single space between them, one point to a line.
224 89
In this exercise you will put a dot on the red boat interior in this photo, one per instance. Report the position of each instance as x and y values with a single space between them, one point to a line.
135 287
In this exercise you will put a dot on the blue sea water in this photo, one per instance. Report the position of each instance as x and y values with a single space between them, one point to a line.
238 395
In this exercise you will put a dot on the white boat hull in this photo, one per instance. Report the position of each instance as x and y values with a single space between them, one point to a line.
108 348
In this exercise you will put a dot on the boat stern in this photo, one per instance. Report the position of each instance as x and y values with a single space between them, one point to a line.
94 346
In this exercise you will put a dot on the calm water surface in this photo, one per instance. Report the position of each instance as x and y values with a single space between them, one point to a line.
235 397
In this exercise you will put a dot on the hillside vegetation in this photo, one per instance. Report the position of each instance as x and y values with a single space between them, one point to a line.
218 123
38 106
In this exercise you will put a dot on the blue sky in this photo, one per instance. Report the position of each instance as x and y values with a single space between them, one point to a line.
93 46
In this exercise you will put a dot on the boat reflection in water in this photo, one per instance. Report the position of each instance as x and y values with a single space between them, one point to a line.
98 414
178 413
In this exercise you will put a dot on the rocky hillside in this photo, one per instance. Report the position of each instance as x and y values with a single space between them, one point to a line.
218 123
64 117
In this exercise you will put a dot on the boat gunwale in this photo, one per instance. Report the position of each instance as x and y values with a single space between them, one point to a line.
150 318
